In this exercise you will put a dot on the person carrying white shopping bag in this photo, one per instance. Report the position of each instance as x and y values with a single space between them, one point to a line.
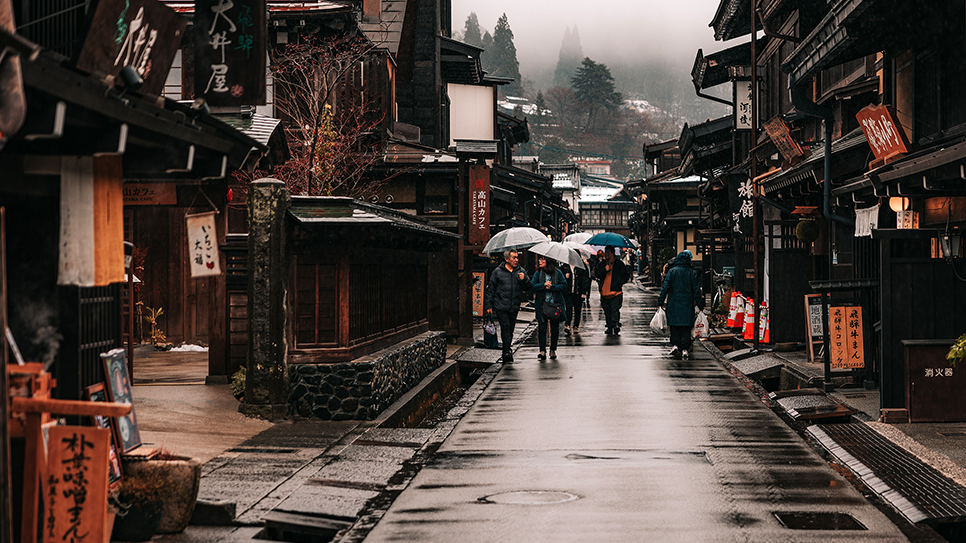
680 294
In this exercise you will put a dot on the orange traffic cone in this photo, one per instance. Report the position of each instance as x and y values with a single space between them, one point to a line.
733 309
750 320
740 312
763 335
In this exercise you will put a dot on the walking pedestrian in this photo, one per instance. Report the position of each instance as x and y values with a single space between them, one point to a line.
548 285
504 292
680 294
611 275
578 287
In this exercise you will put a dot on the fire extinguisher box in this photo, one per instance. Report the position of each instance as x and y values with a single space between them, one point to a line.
933 387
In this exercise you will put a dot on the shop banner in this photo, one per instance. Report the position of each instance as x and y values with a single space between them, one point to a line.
203 245
230 52
741 191
479 232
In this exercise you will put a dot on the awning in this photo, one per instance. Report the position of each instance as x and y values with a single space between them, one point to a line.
712 70
460 62
69 113
266 130
855 28
336 220
812 168
938 169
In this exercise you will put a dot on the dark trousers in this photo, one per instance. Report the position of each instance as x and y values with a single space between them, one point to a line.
681 337
542 325
507 320
575 304
612 310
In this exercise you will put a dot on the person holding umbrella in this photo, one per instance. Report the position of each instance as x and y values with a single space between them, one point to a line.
548 285
507 284
682 292
578 287
611 275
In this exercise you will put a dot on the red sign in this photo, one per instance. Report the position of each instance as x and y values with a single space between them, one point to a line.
783 140
479 205
883 131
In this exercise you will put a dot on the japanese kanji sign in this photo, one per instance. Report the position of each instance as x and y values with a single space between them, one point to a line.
742 101
75 484
142 34
230 52
150 194
846 341
779 134
882 131
203 245
479 232
479 278
742 193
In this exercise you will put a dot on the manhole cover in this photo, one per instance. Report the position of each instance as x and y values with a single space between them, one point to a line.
818 521
530 497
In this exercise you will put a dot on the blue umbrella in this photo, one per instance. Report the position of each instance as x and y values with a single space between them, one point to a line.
609 238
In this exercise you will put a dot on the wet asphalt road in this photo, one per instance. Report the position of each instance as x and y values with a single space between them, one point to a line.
616 442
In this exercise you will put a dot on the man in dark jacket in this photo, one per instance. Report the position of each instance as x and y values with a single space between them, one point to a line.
611 275
578 287
682 292
507 284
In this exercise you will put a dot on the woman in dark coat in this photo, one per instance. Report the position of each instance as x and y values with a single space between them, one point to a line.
680 294
548 283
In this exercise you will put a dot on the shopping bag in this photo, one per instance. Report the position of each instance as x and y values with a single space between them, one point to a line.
700 329
659 322
490 339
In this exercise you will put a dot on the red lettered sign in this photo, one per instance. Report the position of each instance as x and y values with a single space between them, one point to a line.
883 132
479 205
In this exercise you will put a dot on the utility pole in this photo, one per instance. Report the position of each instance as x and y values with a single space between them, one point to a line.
756 202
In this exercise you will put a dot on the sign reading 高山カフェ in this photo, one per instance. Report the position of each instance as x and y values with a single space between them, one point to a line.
142 34
230 52
883 132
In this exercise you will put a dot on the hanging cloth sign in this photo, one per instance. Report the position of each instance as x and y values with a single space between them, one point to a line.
202 245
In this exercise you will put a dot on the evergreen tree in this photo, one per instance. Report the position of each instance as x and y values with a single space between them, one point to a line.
471 31
486 58
569 60
504 57
594 87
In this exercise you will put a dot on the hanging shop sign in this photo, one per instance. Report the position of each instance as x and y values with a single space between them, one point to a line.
142 34
479 278
741 195
742 90
779 134
479 232
230 52
883 132
203 245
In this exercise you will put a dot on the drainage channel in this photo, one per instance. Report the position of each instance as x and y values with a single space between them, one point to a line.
436 401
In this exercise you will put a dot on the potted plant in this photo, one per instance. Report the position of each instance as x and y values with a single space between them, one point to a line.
138 503
179 497
957 351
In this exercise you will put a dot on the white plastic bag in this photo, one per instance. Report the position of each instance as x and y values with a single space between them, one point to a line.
659 322
700 329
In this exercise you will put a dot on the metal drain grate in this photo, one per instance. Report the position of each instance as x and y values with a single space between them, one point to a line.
809 520
914 488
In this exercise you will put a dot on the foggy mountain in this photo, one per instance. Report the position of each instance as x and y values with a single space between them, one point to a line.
649 46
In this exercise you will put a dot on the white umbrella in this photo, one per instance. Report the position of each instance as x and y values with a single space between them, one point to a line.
516 238
580 248
579 237
559 252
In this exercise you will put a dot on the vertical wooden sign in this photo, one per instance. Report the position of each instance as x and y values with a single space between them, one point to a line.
846 339
75 484
230 51
479 278
479 232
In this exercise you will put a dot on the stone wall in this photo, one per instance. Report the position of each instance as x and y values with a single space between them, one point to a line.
363 388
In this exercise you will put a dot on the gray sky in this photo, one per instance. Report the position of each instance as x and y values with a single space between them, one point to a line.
611 31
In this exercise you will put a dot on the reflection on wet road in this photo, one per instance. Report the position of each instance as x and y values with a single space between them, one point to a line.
615 442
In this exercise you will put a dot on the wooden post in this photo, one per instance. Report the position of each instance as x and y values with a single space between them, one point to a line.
6 497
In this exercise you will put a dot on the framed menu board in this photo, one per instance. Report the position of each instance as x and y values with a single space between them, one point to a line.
119 391
98 393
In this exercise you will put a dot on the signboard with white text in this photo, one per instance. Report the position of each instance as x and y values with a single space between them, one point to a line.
230 52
